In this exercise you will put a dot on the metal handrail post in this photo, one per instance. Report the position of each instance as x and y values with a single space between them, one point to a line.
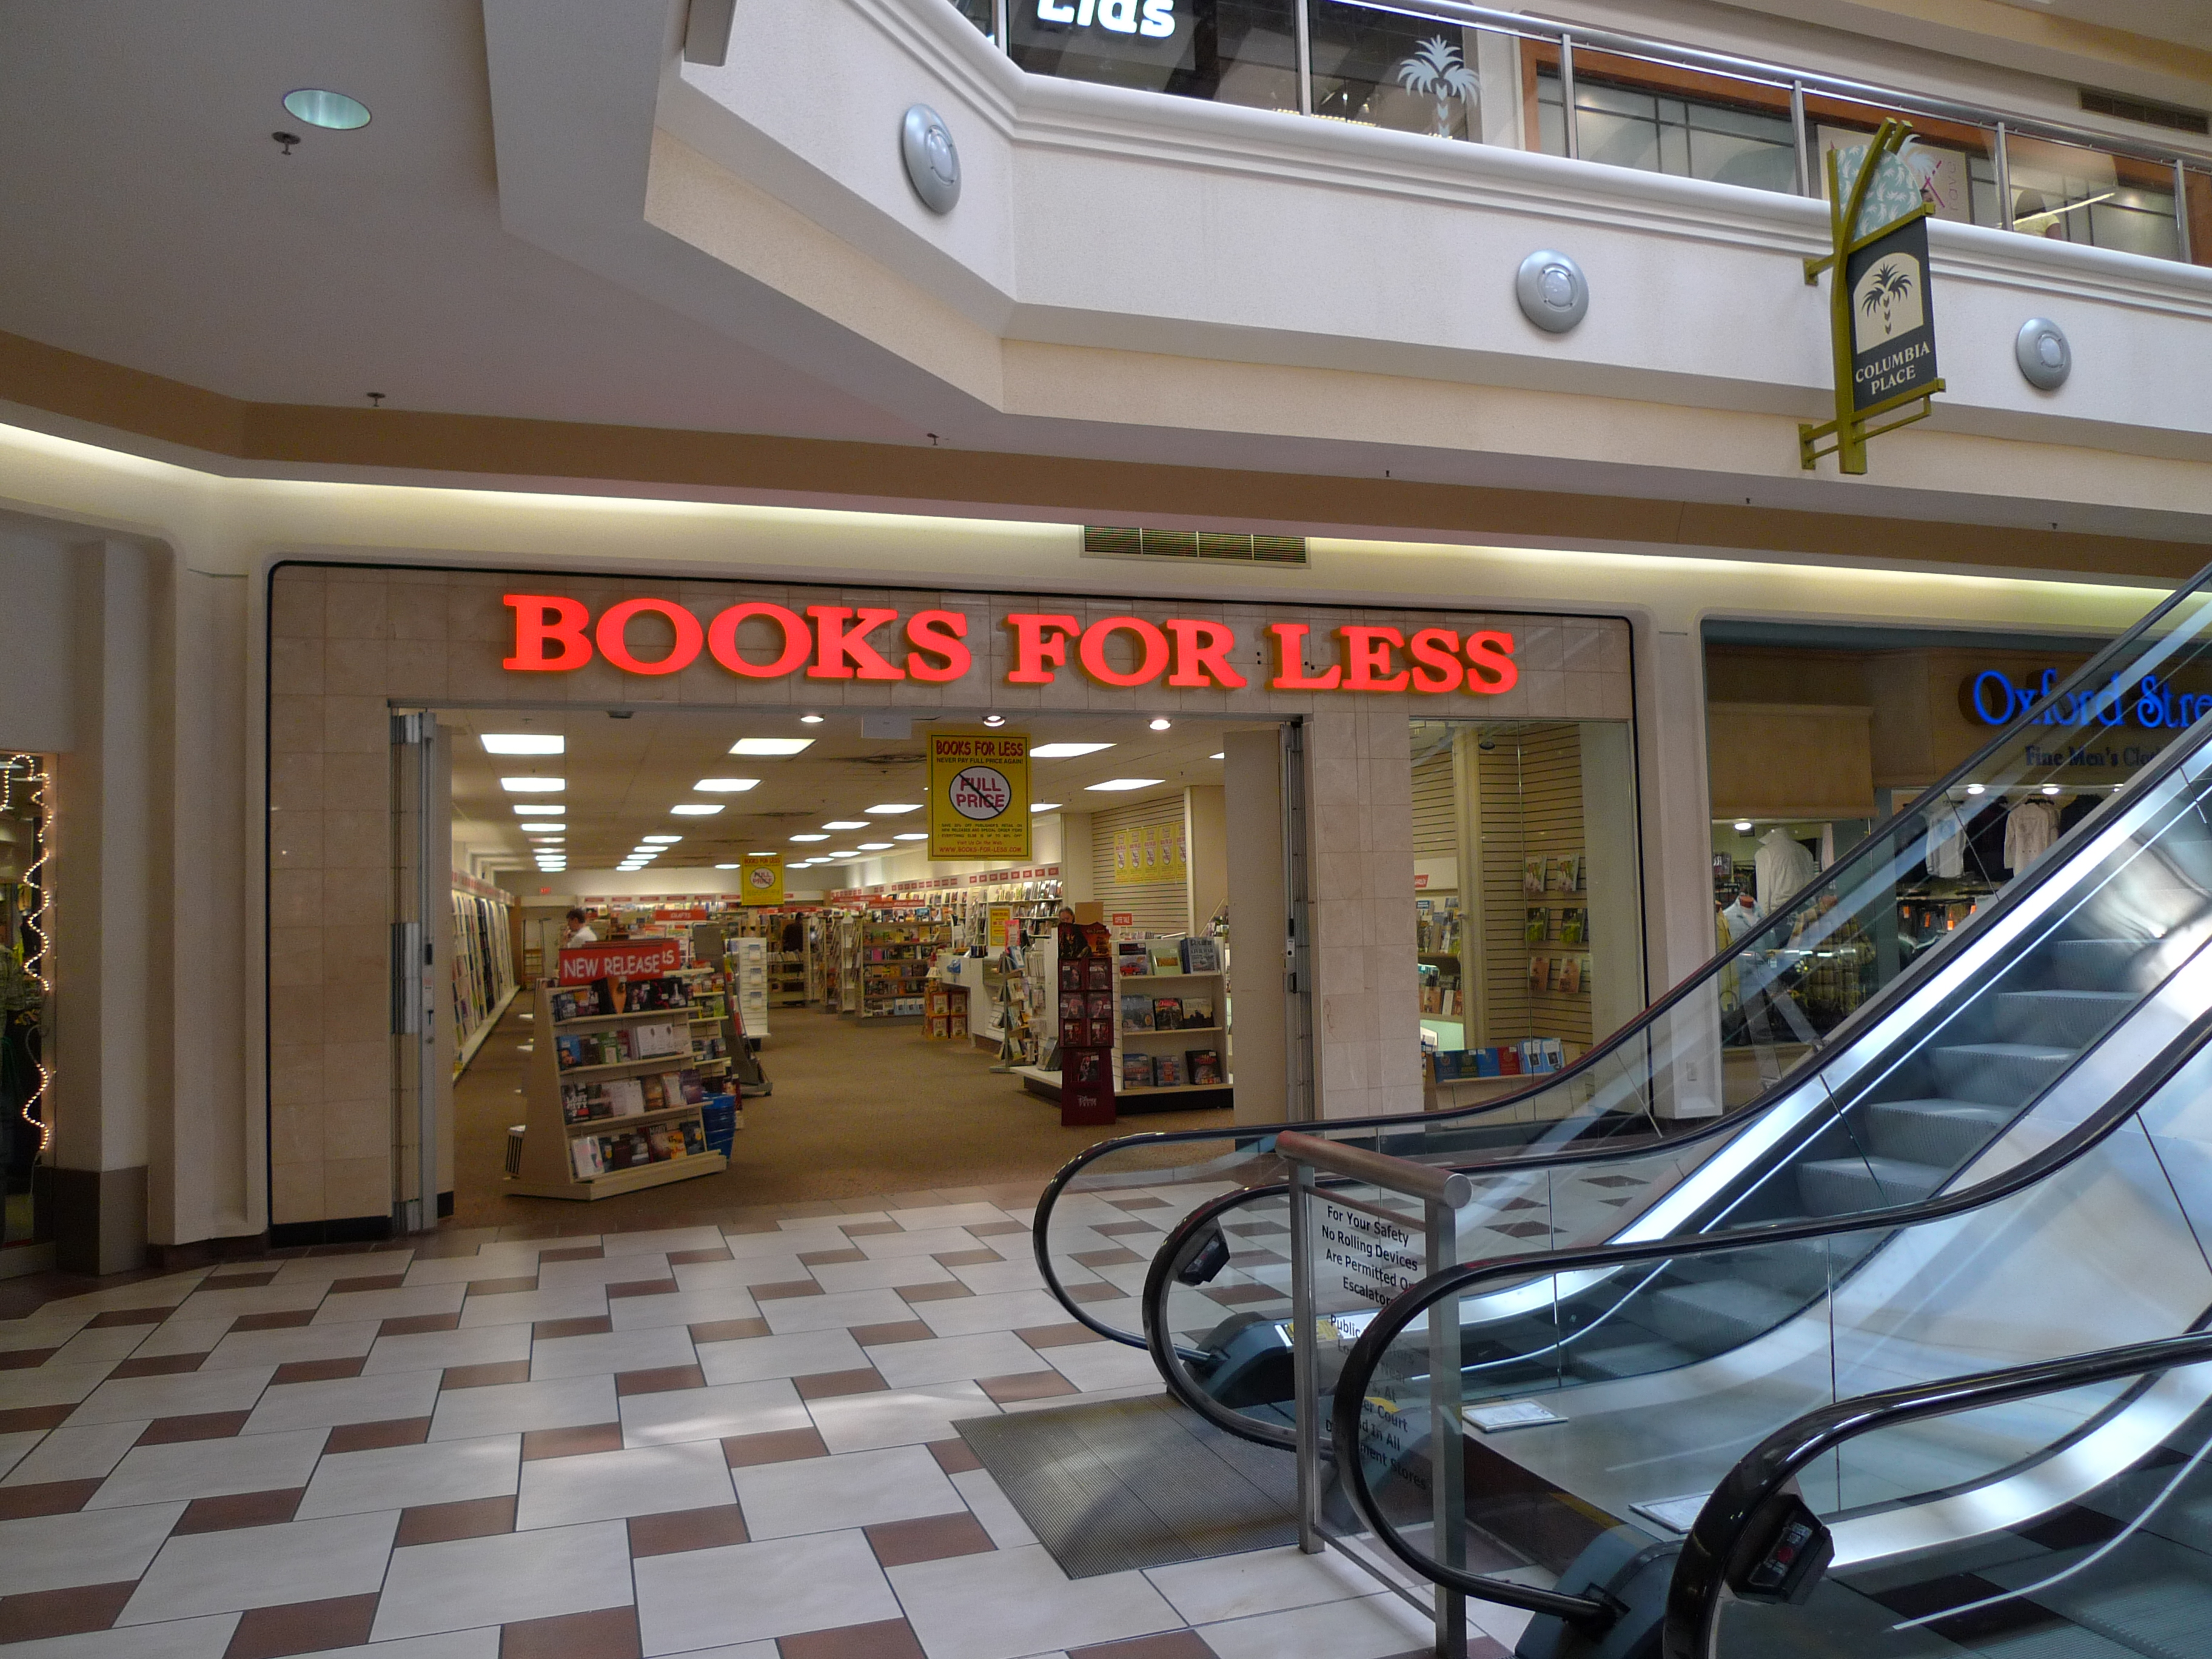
1001 34
1567 97
2004 180
2181 212
1304 26
1447 1458
1799 140
1305 1361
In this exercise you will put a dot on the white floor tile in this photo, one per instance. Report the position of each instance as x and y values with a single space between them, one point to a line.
185 1394
991 1507
146 1293
936 1241
835 1277
662 1241
1367 1628
949 1215
897 1417
242 1349
87 1453
742 1246
109 1347
181 1639
432 1350
1008 1310
51 1384
262 1566
712 1414
823 1494
14 1448
95 1546
1092 1366
462 1269
407 1477
210 1468
518 1408
481 1642
182 1336
601 1271
751 1592
950 1358
778 1267
804 1353
381 1398
508 1577
639 1313
990 1277
1013 1603
512 1308
820 1313
562 1491
408 1302
742 1651
1261 1580
260 1299
49 1328
324 1269
651 1349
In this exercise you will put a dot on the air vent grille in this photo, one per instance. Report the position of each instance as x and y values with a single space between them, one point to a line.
1128 542
2149 115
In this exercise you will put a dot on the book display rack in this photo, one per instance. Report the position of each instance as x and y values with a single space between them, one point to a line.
892 957
483 964
1173 1025
945 1012
750 982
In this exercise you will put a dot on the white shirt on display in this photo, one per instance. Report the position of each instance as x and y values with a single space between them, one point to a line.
1946 851
1782 867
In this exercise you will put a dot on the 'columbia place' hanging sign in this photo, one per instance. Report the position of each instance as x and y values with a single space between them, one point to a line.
1881 313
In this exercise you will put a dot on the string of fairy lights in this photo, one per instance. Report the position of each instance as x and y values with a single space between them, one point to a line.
27 776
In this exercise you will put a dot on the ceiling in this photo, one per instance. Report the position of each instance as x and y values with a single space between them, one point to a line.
621 776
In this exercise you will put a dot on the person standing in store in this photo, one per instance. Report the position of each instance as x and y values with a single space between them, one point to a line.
579 931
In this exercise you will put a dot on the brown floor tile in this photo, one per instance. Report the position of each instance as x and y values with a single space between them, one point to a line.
744 1451
784 1291
1124 1229
966 1258
679 1530
933 1538
303 1627
893 1638
949 1292
1134 1204
827 1385
571 1442
236 1509
508 1287
248 1281
1101 1291
25 1420
954 1456
687 1258
1058 1336
664 1380
607 1633
290 1320
905 1330
487 1375
1025 1385
867 1230
62 1612
45 1498
159 1365
440 1523
572 1253
458 1241
109 1320
1116 1257
829 1258
1168 1644
317 1370
813 1210
418 1324
729 1330
371 1282
202 1425
23 1359
590 1325
994 1228
374 1437
642 1287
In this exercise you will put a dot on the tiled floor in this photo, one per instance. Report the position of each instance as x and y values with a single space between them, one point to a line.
731 1440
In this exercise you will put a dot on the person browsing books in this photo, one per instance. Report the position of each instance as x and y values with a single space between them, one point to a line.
579 931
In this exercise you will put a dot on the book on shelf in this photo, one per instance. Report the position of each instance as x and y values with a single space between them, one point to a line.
1570 974
1136 1070
1540 973
1537 926
1100 1004
581 1003
1587 983
625 1096
573 1051
1167 1013
1131 957
1102 1033
1166 955
1089 1066
1197 1013
1201 956
1166 1072
1567 873
1136 1013
651 1042
586 1156
1532 873
1574 926
1203 1065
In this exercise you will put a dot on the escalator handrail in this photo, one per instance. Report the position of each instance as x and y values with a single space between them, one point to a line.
1358 1373
1715 1539
1848 866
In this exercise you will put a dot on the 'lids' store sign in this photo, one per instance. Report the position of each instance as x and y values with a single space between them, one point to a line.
761 641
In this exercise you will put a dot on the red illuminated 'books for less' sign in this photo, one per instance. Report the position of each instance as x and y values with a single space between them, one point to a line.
553 634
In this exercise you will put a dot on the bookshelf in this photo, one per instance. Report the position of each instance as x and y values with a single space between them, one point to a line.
1151 1043
670 1136
891 968
750 982
483 964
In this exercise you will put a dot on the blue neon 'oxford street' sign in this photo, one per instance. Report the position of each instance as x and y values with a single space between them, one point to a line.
1993 698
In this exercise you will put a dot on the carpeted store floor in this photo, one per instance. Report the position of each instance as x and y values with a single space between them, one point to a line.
861 1109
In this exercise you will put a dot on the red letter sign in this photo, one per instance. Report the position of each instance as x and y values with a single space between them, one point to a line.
1493 669
841 649
1202 649
1436 666
615 619
1291 661
1039 645
541 619
722 641
1368 651
937 634
1093 651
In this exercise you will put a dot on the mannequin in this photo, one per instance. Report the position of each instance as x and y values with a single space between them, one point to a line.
1783 867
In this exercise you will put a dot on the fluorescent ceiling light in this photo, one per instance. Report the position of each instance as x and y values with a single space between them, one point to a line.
1160 723
809 837
1126 783
729 867
760 855
320 107
994 719
522 743
1743 826
809 720
724 786
1066 751
770 745
1044 806
696 809
1223 755
658 840
533 786
538 809
845 853
846 824
913 835
893 808
875 847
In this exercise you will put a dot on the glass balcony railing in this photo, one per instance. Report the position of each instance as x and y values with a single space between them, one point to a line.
1469 74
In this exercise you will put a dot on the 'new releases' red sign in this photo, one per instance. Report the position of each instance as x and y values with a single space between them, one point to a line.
579 964
555 635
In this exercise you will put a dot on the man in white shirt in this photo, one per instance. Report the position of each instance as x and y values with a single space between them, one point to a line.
579 931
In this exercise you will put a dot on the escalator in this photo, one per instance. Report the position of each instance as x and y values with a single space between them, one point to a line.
1726 1105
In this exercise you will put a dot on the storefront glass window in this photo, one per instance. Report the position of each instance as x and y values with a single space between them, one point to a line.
1233 52
1415 74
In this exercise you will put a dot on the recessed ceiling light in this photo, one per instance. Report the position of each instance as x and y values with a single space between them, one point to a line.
522 743
1743 826
770 745
809 720
809 837
913 835
696 809
729 867
724 786
994 719
1126 783
533 786
1973 788
875 847
1223 755
1044 806
658 840
892 809
845 853
1066 751
1160 723
534 809
319 107
846 824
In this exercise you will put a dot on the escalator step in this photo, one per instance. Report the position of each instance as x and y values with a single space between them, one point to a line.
1942 1132
1997 1073
1844 1186
2096 964
2071 1019
1716 1313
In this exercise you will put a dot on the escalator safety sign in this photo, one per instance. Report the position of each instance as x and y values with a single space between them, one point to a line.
1362 1256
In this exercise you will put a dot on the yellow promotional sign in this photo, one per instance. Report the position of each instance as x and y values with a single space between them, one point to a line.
979 795
760 879
1001 927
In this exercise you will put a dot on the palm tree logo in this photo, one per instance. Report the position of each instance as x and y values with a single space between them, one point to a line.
1891 285
1437 71
1890 299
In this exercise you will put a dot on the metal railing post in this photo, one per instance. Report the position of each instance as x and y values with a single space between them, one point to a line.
1447 1460
1305 1361
1305 58
2181 213
2003 163
1567 97
1800 141
1001 34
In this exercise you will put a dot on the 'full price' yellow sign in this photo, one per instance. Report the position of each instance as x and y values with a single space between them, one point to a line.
979 795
